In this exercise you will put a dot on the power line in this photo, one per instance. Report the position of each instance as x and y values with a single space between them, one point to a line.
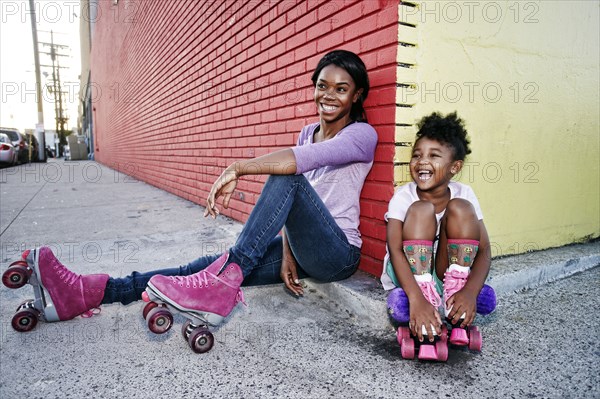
56 90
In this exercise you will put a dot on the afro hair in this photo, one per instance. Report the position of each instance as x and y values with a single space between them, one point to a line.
448 130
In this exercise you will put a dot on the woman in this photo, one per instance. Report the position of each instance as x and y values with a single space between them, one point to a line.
312 197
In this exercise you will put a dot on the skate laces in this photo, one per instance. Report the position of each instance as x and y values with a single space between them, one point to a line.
66 275
196 280
430 293
201 279
91 313
454 281
240 298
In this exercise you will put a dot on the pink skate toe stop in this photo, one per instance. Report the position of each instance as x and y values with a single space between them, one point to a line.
427 352
458 336
145 297
25 254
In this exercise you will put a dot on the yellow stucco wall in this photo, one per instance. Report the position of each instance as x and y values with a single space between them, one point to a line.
524 75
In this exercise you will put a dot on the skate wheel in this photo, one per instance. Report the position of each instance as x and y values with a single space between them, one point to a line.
407 348
18 263
475 339
15 276
149 306
201 340
444 336
159 320
186 329
25 320
401 333
441 348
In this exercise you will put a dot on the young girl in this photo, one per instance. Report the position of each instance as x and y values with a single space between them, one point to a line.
434 220
312 195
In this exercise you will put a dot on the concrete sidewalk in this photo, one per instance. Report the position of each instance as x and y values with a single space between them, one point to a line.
363 296
89 213
333 342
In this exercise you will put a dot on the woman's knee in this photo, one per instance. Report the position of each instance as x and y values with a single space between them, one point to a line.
342 274
334 268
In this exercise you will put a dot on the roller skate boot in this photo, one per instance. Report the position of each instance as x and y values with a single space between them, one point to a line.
398 308
204 298
454 280
59 293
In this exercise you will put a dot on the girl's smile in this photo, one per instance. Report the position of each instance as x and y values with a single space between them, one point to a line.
432 164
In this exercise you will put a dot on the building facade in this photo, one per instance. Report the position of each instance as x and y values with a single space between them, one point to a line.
181 89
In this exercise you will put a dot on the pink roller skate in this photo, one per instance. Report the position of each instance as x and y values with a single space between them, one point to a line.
59 293
204 298
454 280
438 350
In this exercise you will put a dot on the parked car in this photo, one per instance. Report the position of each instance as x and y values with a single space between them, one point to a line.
8 154
19 142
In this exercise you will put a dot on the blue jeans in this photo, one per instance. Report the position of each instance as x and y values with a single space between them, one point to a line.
320 247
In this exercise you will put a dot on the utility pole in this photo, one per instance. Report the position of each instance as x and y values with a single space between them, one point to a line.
61 118
39 129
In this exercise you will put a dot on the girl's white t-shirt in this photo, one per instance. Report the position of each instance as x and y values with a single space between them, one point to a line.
405 196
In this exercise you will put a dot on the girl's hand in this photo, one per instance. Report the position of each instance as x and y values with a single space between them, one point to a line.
224 186
422 313
463 301
289 275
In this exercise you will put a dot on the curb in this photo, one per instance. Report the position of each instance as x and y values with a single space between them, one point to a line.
363 297
542 274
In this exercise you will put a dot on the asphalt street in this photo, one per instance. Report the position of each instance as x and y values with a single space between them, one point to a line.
539 343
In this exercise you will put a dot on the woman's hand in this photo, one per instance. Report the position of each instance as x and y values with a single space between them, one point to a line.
422 313
289 275
289 267
463 301
224 186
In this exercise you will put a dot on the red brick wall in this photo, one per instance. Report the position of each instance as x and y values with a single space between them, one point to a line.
184 88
